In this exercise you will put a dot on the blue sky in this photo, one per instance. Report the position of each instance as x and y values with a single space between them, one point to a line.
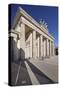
48 13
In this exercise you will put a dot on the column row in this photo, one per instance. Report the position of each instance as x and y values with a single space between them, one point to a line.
46 47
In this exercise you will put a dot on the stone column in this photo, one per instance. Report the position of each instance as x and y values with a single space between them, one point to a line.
41 45
38 45
31 45
44 48
22 41
53 49
50 48
47 47
34 44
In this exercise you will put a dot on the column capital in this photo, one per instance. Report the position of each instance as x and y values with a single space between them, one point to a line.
47 39
41 36
21 22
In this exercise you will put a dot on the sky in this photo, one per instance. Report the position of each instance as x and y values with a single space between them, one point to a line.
47 13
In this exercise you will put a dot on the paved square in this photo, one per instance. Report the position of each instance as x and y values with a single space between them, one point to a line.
48 66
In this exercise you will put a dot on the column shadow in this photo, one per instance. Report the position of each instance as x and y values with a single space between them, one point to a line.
42 78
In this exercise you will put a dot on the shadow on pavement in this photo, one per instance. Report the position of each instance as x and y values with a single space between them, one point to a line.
23 78
43 79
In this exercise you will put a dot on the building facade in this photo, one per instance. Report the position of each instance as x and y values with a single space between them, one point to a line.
31 39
